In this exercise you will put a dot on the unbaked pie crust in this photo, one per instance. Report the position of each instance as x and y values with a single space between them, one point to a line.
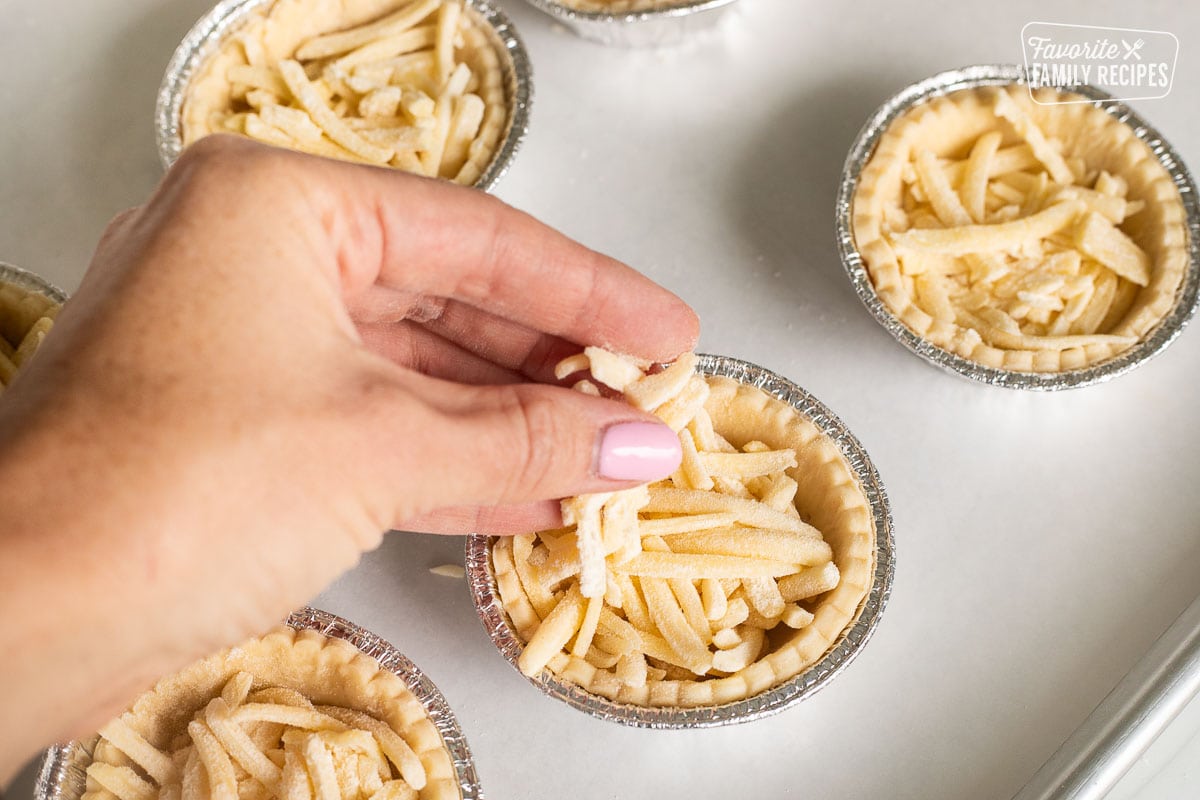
830 499
948 125
284 25
326 670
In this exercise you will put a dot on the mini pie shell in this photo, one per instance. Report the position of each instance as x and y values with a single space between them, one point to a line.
326 670
286 24
948 125
829 498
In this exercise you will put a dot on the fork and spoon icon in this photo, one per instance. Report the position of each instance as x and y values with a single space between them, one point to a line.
1132 49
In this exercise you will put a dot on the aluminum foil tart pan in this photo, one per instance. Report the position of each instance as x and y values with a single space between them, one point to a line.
206 36
836 658
638 23
29 281
1151 344
63 776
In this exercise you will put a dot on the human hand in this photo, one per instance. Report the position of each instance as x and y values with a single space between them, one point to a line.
268 365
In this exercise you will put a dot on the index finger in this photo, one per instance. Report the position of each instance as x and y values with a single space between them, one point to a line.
427 237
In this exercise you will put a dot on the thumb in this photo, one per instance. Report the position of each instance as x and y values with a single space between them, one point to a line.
521 443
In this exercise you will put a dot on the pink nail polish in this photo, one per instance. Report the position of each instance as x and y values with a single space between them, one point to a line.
638 451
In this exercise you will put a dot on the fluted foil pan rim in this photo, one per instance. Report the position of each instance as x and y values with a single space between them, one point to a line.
228 15
30 281
647 27
1167 330
847 647
62 775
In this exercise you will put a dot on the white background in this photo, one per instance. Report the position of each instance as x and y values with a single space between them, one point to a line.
1043 541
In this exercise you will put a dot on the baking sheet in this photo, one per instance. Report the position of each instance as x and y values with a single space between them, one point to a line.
1048 539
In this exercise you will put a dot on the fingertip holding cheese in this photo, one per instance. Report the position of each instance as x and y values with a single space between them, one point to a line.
1031 237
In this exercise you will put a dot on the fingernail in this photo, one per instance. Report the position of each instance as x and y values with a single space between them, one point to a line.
638 451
